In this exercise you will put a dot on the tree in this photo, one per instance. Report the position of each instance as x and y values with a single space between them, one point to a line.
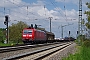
88 17
15 31
2 35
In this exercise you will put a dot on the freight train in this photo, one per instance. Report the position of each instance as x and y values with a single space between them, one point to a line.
33 35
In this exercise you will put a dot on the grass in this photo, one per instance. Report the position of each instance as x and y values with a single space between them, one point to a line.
2 44
10 44
82 54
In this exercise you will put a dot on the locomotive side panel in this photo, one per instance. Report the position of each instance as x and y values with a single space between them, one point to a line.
39 35
33 36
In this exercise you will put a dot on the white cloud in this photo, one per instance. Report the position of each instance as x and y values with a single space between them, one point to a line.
37 11
72 1
16 1
76 2
38 3
68 1
9 3
72 13
67 14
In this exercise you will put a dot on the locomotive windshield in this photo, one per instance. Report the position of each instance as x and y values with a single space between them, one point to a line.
27 31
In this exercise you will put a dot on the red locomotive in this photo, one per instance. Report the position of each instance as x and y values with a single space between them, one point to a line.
32 35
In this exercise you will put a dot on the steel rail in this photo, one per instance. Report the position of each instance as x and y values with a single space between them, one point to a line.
8 49
58 47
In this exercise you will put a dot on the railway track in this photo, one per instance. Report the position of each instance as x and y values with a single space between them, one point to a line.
15 48
39 54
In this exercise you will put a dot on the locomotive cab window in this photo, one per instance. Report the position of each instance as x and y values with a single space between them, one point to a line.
27 31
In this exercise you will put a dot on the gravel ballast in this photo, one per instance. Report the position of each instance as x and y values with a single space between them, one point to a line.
62 53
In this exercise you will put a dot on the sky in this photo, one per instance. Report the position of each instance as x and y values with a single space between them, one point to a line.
63 13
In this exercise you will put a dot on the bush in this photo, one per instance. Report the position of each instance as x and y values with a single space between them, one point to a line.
86 43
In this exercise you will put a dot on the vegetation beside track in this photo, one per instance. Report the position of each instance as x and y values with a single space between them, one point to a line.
10 44
83 52
2 44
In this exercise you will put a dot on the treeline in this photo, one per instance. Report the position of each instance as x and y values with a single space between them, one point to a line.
15 31
2 34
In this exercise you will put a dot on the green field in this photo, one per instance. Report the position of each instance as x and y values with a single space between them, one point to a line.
2 44
83 53
10 44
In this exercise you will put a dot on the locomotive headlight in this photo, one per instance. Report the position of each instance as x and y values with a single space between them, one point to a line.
24 35
30 35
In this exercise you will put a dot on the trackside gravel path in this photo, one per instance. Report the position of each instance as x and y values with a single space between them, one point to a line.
62 53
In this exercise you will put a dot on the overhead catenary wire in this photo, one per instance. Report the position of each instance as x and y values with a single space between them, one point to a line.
27 10
27 7
65 10
58 9
4 7
45 10
64 16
